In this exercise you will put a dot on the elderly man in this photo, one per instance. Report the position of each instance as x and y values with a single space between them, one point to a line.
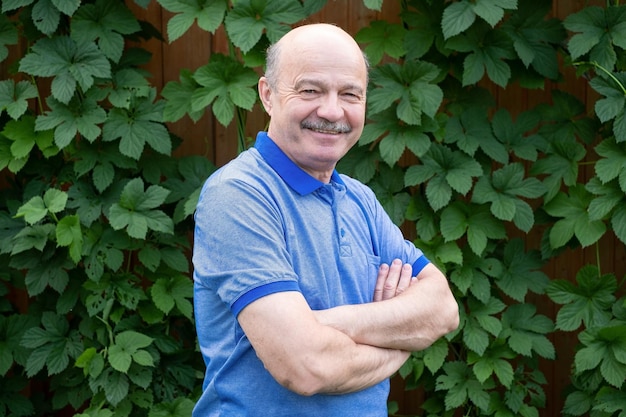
307 297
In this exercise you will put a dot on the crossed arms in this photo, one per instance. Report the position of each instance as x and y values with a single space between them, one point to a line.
350 347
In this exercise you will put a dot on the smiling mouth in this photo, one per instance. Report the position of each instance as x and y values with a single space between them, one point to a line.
329 132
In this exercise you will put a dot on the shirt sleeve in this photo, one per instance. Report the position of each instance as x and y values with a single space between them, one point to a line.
239 246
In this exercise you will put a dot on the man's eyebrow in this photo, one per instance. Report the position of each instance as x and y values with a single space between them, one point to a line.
317 83
309 81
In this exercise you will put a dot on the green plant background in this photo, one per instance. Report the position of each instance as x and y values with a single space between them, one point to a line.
96 213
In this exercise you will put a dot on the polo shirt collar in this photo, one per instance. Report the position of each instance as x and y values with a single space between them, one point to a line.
298 179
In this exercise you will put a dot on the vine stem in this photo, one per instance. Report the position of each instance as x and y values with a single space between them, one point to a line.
607 72
241 129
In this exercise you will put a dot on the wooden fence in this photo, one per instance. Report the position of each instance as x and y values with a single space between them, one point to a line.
208 138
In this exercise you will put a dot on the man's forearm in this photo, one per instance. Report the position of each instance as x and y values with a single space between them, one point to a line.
364 367
307 357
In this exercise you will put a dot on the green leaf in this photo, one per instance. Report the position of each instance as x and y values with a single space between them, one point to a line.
53 345
609 196
104 22
127 83
209 15
613 163
46 16
52 273
612 105
516 136
520 263
435 355
587 303
14 97
24 138
55 200
473 275
534 38
458 219
382 38
423 29
167 293
33 211
138 125
461 384
12 329
560 165
601 346
178 98
481 323
224 84
69 119
68 62
136 211
599 29
150 257
37 207
578 403
127 344
610 400
492 11
421 97
618 221
526 331
116 387
488 52
502 192
8 34
457 17
444 170
69 233
486 365
178 408
194 170
574 219
471 131
175 258
67 7
31 237
247 20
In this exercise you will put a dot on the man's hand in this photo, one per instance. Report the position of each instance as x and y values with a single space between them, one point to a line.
409 313
392 280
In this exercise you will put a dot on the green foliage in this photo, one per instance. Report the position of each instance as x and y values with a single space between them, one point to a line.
94 226
599 368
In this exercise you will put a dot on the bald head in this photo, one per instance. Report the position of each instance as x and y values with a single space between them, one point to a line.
308 42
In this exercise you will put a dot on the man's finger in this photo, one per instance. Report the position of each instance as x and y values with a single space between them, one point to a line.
393 278
383 271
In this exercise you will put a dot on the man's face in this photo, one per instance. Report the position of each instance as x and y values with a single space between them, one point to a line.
317 108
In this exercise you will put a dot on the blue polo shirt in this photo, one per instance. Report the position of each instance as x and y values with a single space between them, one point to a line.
263 225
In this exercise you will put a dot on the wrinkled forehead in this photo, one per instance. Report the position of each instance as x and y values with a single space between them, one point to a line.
322 51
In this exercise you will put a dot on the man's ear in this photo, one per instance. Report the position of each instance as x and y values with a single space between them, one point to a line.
265 94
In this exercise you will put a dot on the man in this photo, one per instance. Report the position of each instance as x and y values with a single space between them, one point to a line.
304 299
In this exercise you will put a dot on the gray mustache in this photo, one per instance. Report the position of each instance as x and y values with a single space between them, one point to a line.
326 126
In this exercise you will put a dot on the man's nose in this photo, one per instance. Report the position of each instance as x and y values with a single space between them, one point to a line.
330 107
